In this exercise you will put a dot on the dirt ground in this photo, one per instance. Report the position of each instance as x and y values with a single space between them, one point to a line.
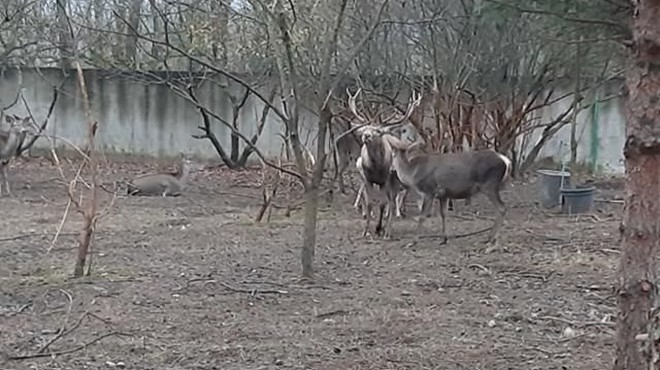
193 283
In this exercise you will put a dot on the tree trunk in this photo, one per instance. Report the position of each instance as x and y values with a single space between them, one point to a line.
312 195
576 109
640 227
309 231
157 51
235 145
65 44
83 245
132 41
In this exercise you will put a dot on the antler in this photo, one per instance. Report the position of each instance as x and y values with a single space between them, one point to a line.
353 108
415 101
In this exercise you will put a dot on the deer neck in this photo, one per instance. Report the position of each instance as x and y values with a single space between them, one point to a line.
184 172
375 154
13 139
401 164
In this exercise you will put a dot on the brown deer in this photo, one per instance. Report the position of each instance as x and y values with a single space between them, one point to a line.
10 141
452 176
162 184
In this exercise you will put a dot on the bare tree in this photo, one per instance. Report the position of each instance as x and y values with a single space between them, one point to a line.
132 42
65 41
639 304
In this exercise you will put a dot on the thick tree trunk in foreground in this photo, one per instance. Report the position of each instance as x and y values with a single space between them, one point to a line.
641 221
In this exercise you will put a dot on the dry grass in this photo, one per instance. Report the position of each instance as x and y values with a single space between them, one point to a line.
193 283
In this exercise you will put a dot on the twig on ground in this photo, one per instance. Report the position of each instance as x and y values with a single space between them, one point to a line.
529 274
331 313
456 236
577 324
72 350
593 218
483 268
613 201
545 351
17 237
62 331
593 287
252 291
19 309
472 217
189 282
547 237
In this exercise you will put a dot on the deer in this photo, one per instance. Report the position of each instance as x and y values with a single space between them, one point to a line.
348 146
452 176
375 164
10 141
347 149
161 184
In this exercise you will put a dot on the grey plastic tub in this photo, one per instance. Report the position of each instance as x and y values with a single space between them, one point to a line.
551 183
578 200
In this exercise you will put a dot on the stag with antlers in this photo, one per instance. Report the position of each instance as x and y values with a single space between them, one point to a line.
375 163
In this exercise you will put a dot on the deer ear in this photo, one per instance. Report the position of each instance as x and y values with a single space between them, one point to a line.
8 119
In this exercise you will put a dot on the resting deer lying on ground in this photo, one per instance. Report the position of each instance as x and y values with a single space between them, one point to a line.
452 176
162 184
9 142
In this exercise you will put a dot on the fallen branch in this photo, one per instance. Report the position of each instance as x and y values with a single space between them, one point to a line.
251 291
547 237
545 351
577 324
62 332
613 201
480 267
67 351
17 237
457 236
332 313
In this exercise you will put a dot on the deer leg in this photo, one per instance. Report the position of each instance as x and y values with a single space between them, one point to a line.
493 195
436 205
5 179
443 213
426 203
380 230
359 199
366 196
391 203
367 222
399 202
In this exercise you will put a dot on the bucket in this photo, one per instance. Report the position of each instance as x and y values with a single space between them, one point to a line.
551 183
578 200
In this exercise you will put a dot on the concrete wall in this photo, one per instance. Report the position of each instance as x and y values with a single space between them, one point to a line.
139 117
600 130
150 119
